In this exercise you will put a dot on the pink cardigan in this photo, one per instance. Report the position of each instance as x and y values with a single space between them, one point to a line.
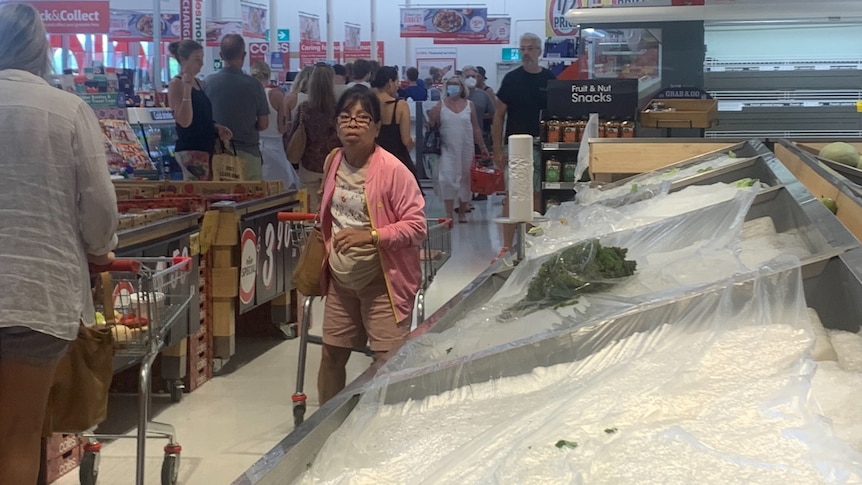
397 211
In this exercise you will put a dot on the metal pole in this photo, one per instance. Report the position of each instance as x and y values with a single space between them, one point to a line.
65 53
157 47
373 30
408 44
330 35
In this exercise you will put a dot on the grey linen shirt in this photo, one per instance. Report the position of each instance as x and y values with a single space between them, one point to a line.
238 99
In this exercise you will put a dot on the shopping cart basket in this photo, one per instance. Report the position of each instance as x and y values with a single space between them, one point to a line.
435 251
147 296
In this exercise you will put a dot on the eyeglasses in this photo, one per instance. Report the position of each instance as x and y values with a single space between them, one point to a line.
360 119
472 76
530 48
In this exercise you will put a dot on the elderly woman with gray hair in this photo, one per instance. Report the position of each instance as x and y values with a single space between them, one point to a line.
57 211
459 132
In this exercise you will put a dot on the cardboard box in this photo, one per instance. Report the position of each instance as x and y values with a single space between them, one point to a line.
58 444
222 256
225 282
52 469
228 230
687 113
215 188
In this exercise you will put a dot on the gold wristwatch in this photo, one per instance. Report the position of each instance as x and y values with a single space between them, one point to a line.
374 237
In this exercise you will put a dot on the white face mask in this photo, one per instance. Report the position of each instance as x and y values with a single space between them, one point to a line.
471 82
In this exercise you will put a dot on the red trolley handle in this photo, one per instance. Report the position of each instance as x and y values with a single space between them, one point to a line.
447 221
295 216
118 266
185 261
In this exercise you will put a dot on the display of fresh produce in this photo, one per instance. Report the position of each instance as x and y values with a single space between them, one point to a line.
746 182
842 153
586 267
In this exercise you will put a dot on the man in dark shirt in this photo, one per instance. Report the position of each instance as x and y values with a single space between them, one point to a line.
522 96
239 102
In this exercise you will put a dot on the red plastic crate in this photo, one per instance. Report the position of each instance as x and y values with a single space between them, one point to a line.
53 469
58 444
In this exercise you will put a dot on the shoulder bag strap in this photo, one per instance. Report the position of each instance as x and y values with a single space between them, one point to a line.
326 166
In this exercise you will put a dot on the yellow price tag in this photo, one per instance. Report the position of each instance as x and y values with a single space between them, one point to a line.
859 106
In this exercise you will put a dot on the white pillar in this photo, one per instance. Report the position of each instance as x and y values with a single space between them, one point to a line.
373 30
65 53
330 35
408 45
273 26
157 46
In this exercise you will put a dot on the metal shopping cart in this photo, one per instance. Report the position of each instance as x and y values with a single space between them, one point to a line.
142 299
435 251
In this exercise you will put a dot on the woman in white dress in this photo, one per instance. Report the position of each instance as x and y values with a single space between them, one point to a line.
459 133
275 164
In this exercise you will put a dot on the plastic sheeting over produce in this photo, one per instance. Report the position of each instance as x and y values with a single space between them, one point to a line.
709 386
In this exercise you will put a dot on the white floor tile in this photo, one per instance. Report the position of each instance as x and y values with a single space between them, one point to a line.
230 422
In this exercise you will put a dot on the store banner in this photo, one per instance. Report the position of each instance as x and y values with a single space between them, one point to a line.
499 32
436 63
75 17
254 21
217 29
556 24
444 23
616 97
192 25
351 36
309 27
311 52
259 52
139 26
363 51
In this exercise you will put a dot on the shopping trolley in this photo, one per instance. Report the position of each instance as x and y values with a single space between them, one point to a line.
141 300
435 251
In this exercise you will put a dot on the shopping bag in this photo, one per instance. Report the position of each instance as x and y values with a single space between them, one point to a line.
296 145
484 179
432 144
79 395
227 166
306 275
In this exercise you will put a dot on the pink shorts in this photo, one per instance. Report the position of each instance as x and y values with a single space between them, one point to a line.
353 317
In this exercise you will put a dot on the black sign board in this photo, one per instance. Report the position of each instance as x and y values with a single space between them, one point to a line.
608 98
676 91
262 269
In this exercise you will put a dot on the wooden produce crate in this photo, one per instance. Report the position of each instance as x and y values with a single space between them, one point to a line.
612 160
687 113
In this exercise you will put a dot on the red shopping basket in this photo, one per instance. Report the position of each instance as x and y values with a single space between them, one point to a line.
486 179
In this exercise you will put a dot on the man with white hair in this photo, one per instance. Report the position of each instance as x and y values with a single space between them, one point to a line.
522 96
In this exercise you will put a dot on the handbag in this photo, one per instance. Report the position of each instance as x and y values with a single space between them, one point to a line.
226 166
306 275
486 179
432 142
296 145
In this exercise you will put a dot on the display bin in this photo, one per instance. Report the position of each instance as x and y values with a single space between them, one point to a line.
612 160
688 113
831 278
852 174
250 262
825 179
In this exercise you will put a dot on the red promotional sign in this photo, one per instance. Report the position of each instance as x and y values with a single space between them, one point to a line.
186 11
75 17
312 52
363 52
499 32
259 52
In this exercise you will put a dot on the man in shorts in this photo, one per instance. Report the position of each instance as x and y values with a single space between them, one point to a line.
522 96
239 103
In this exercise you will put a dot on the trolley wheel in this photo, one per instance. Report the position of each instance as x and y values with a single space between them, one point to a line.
298 413
177 389
88 471
171 469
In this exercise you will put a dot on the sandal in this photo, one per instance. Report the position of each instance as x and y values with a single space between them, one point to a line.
462 219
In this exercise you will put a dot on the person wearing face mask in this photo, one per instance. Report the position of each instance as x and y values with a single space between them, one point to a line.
481 100
459 130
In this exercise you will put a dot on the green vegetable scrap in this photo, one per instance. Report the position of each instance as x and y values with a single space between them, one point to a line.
705 169
731 154
611 430
586 267
566 444
634 188
673 172
746 182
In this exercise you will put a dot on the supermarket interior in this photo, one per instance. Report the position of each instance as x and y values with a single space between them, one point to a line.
653 277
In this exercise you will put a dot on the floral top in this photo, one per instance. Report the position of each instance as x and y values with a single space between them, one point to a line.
321 137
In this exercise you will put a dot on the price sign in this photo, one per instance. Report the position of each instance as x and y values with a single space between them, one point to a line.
262 266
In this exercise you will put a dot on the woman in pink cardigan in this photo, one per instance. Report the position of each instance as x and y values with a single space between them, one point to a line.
373 222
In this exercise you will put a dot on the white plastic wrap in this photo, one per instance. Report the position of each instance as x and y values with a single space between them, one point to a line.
713 387
591 131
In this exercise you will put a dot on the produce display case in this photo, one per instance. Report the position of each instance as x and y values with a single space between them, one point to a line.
681 113
156 129
613 160
831 277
